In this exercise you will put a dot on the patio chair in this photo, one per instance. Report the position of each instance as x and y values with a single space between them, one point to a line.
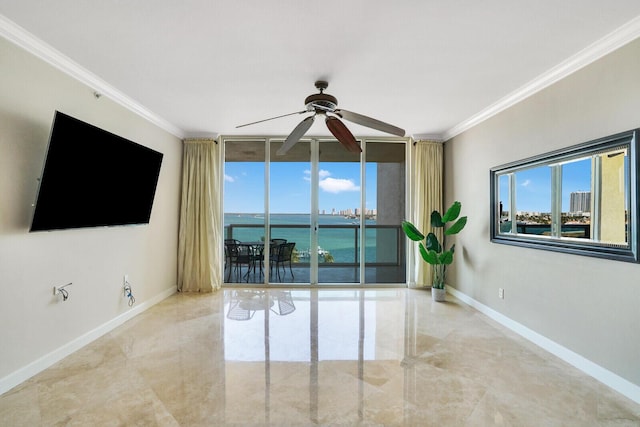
280 255
239 255
229 254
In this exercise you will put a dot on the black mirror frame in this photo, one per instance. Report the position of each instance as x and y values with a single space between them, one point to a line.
586 248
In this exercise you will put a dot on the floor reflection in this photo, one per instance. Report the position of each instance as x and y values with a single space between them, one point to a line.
323 359
391 357
304 357
244 303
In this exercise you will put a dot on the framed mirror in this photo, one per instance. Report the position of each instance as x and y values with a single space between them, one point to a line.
580 200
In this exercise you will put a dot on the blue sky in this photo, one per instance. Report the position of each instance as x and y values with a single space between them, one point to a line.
290 186
533 192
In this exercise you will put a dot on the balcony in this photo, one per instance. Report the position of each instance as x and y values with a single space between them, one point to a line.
338 253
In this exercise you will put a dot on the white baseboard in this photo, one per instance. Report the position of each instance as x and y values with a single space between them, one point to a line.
616 382
39 365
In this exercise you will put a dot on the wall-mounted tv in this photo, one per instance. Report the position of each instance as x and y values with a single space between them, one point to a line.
93 178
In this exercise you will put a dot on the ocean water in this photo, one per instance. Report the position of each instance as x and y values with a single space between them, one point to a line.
337 235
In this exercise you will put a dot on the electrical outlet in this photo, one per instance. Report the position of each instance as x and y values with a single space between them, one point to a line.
500 293
55 290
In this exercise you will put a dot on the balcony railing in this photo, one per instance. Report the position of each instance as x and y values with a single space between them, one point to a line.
338 245
582 231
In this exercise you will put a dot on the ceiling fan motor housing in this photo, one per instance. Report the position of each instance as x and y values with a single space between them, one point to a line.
328 102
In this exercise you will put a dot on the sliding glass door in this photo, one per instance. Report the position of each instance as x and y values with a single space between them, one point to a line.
339 226
290 214
317 215
385 201
244 209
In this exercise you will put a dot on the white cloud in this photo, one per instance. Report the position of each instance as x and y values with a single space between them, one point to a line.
526 183
228 178
337 185
321 173
332 185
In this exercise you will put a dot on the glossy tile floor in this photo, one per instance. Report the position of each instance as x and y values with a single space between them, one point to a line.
307 357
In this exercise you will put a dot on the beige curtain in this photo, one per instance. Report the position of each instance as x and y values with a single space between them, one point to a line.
200 240
427 197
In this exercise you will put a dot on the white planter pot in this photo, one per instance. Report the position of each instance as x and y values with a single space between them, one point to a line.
438 295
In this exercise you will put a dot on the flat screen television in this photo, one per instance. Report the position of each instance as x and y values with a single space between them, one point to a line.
93 178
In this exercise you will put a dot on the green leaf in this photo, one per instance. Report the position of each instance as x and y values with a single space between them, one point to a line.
436 219
457 227
433 244
429 256
446 258
411 231
453 212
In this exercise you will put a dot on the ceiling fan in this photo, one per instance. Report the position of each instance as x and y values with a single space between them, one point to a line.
325 104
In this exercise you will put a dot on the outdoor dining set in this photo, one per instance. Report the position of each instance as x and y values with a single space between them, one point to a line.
251 255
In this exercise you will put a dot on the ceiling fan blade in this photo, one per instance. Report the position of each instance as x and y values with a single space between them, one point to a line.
342 134
369 122
271 118
295 136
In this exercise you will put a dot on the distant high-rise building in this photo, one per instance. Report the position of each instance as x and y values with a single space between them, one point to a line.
580 201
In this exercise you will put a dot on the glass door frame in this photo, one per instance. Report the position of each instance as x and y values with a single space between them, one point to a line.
314 214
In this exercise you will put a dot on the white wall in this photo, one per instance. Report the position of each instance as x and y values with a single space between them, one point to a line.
588 305
34 322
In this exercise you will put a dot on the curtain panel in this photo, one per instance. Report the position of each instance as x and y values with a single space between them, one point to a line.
199 239
427 197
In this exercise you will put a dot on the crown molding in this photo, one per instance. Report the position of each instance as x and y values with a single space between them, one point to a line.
200 135
607 44
19 36
428 137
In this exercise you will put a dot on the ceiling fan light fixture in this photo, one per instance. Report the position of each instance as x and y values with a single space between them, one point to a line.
322 101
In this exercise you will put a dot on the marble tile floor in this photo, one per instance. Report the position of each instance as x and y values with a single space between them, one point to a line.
301 357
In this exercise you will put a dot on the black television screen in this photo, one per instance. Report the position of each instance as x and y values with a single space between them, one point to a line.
93 178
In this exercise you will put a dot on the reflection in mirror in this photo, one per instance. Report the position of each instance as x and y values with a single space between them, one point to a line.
505 209
576 198
580 200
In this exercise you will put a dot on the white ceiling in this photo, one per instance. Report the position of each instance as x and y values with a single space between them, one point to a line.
201 67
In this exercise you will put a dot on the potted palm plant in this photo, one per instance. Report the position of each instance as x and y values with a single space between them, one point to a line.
431 250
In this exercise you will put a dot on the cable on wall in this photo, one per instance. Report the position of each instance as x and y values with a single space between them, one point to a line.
128 293
62 291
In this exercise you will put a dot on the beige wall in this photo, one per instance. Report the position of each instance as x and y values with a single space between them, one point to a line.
34 323
588 305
